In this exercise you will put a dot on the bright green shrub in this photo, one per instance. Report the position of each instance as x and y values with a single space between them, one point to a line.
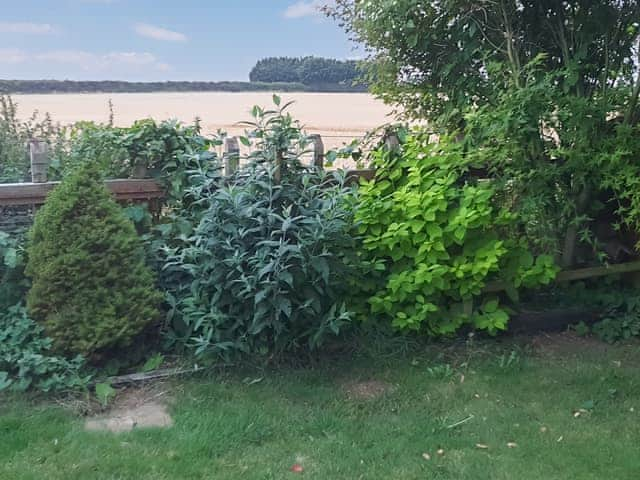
91 289
25 358
434 239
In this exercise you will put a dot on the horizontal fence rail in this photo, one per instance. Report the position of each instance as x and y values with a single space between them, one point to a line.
578 274
136 190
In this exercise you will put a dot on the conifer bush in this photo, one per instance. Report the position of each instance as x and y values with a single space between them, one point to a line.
91 288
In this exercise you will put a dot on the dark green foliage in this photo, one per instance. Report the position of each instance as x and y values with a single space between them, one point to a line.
437 59
622 324
306 70
434 237
190 181
13 284
91 289
141 150
617 305
25 358
268 266
14 135
70 86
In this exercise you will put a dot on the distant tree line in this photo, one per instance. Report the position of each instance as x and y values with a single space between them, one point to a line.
109 86
69 86
310 71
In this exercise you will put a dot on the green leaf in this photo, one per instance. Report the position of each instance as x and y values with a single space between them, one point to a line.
512 293
321 266
261 295
285 307
490 306
11 258
136 213
526 259
153 363
276 100
5 381
434 230
104 393
287 278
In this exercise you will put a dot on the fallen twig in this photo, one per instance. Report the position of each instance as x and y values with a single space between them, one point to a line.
461 422
156 374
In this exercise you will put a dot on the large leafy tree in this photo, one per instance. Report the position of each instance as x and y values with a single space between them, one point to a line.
545 93
436 57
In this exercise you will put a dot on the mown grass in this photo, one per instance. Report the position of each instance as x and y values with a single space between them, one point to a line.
229 428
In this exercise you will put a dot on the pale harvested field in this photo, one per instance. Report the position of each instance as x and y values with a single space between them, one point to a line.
338 117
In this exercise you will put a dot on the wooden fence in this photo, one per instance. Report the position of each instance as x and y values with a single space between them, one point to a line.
135 190
131 190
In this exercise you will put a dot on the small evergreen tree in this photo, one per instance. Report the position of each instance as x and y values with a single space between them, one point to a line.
91 288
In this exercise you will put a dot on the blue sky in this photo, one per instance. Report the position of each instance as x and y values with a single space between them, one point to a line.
148 40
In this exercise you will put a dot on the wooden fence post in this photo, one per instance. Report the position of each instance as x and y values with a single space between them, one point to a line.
391 140
39 156
231 155
318 150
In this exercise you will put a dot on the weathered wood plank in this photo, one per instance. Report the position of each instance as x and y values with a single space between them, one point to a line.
318 150
39 156
123 190
231 155
15 194
579 274
154 375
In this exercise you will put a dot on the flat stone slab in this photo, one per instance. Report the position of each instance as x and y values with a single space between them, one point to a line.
148 415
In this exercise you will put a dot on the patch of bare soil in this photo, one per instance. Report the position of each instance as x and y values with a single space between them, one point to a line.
134 408
567 343
367 390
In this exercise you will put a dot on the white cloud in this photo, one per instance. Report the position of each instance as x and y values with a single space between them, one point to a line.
159 33
305 9
87 61
66 56
12 55
130 58
27 28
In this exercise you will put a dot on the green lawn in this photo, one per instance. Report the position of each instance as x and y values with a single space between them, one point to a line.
227 427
